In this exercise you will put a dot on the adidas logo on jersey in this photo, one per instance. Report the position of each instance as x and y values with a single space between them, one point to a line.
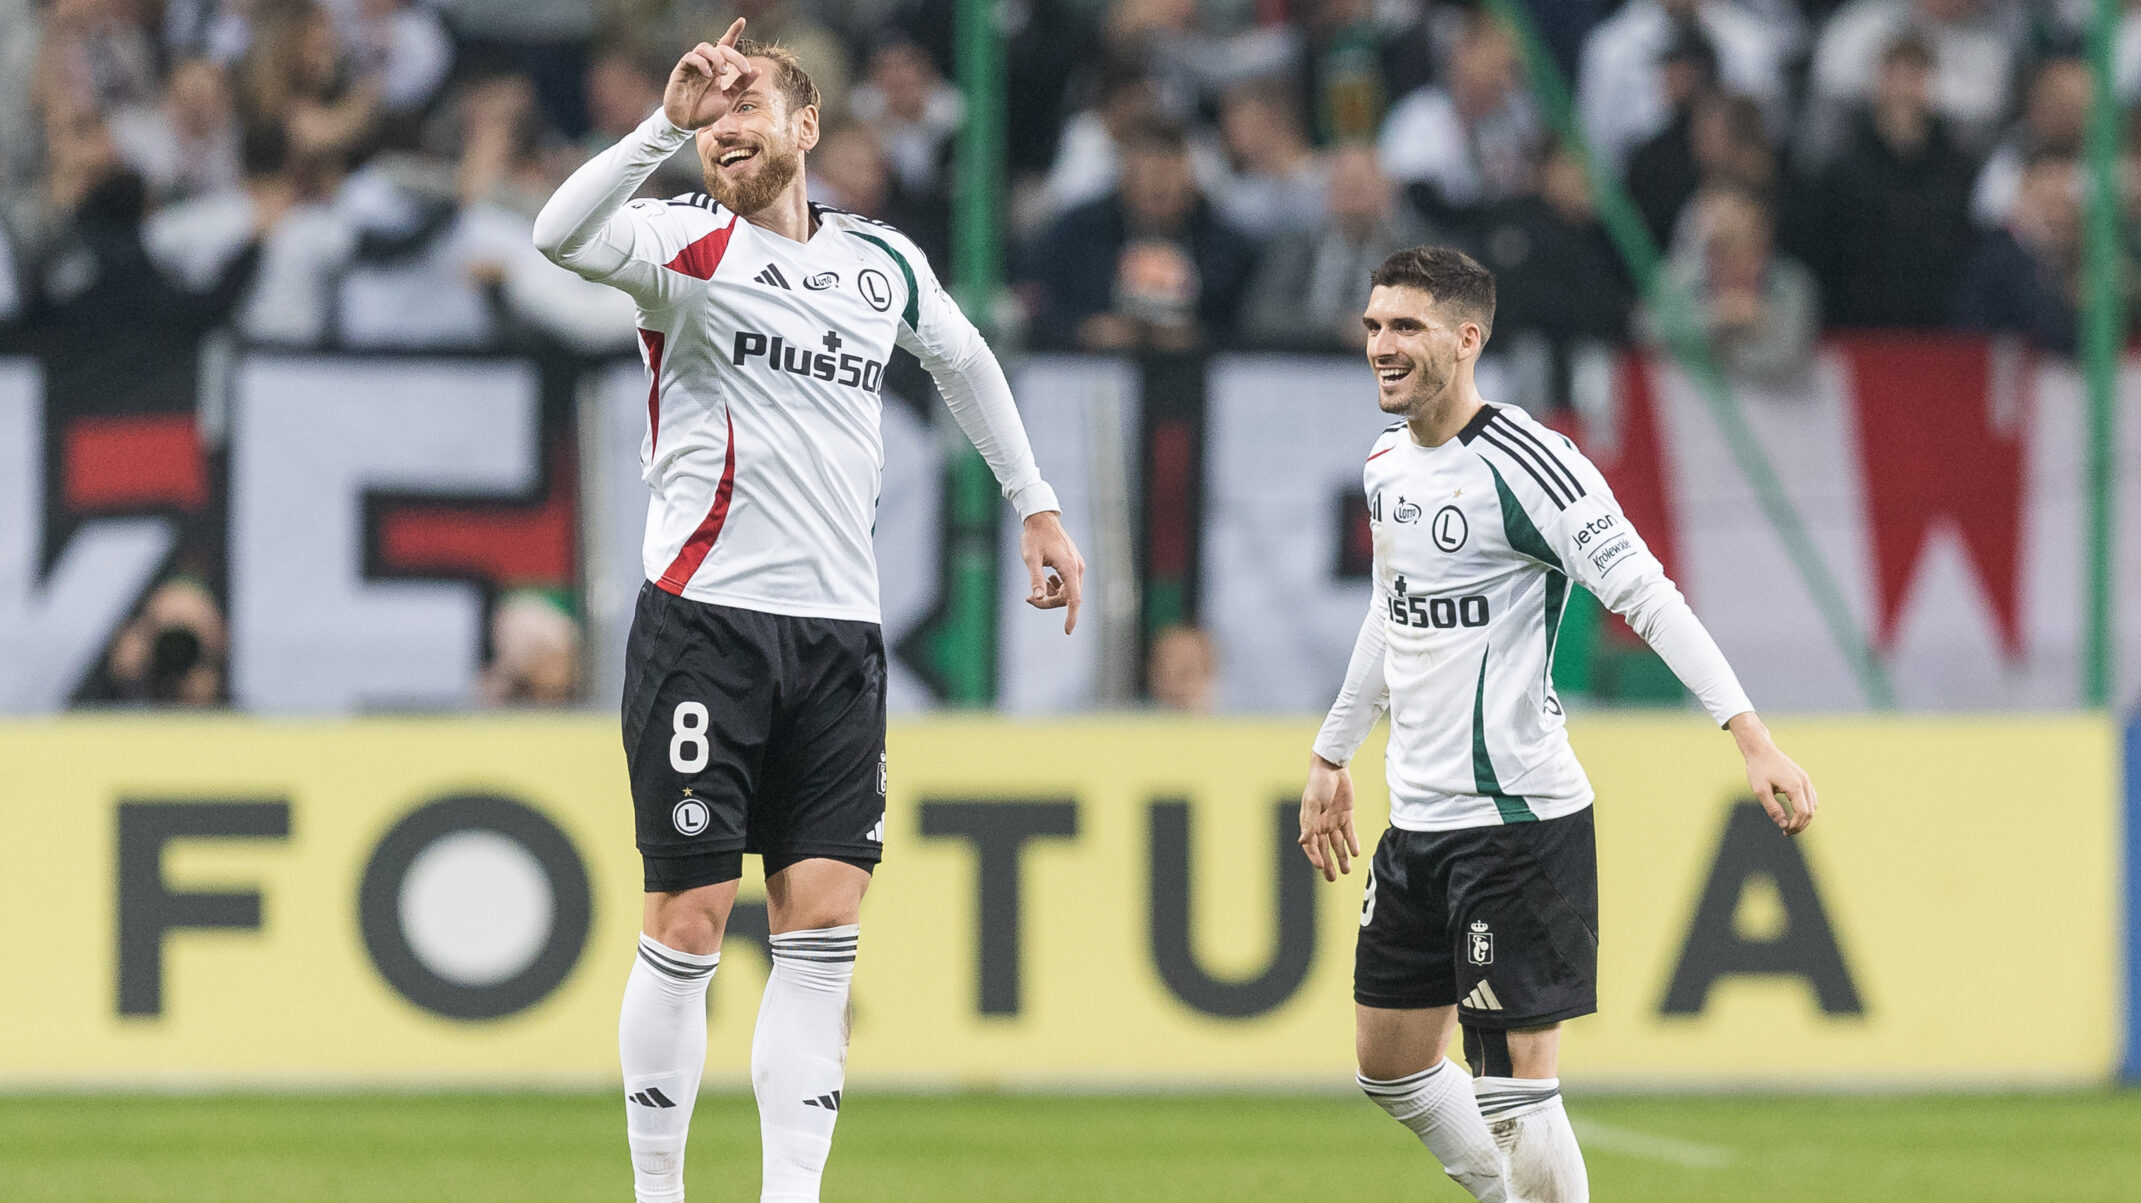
772 275
847 369
1482 998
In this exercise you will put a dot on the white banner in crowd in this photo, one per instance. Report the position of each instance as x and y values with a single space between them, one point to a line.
1943 483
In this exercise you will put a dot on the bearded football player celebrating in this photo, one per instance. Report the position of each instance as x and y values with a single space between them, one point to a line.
1482 899
754 700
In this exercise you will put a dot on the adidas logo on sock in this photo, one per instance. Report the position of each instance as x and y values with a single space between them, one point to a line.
1482 998
772 275
831 1102
650 1097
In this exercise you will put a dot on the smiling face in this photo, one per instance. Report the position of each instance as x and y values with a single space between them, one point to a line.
755 152
1416 348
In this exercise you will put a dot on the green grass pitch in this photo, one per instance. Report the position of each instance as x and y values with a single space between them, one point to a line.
532 1148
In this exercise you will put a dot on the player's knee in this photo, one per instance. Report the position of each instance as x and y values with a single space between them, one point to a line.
687 923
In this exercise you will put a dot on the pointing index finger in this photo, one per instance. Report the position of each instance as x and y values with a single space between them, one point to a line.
735 31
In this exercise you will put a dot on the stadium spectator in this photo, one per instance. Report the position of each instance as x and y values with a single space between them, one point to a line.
172 653
294 72
913 112
403 48
1088 155
1662 174
1731 148
1182 670
1312 283
1890 223
535 653
114 333
444 256
94 56
849 170
1760 311
1471 141
1560 288
1276 182
289 302
1621 91
545 40
2024 278
1150 265
1346 70
2055 115
1192 52
187 145
1974 44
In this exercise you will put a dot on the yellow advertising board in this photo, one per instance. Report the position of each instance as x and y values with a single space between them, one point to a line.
1091 903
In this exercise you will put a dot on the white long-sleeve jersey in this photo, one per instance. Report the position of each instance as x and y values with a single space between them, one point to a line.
1476 542
765 357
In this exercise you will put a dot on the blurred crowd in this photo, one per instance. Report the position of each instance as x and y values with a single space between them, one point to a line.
1182 174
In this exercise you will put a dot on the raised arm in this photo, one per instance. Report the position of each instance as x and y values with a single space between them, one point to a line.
586 227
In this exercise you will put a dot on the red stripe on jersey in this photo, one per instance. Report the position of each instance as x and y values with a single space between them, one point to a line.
1384 451
654 341
701 542
701 258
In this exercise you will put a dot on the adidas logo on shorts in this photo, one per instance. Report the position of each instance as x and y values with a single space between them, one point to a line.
1482 998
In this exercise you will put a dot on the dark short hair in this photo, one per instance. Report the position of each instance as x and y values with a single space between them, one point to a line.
789 79
1452 278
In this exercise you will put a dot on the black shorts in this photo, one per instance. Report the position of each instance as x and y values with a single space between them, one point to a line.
1501 921
751 732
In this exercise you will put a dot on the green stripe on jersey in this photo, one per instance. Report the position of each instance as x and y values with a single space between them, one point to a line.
1517 525
913 314
1557 595
1514 809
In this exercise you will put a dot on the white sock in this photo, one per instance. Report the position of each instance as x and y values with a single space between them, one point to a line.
799 1057
1438 1106
1531 1125
661 1041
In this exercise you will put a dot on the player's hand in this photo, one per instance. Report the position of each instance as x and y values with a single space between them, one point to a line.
1770 773
1052 560
1327 819
707 81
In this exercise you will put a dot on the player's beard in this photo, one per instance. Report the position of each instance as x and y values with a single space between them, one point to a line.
777 168
1429 381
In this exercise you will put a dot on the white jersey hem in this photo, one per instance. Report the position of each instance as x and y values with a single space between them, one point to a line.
1540 808
763 605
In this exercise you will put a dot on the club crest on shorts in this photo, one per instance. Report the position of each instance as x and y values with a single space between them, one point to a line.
690 816
1479 942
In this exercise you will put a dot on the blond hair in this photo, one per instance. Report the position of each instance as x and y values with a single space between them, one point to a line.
789 79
